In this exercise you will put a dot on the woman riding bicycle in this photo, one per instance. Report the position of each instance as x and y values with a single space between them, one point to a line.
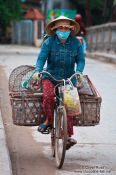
62 50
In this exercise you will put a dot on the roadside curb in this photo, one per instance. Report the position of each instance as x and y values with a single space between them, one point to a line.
5 162
104 57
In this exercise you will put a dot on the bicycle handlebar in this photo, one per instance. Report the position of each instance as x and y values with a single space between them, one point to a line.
63 80
51 76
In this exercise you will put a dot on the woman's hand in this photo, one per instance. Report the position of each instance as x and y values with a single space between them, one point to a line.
79 80
79 77
36 76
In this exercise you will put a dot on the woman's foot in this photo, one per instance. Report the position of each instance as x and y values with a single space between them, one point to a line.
45 127
70 142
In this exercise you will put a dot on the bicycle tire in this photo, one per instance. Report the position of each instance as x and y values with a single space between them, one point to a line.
53 142
53 134
60 135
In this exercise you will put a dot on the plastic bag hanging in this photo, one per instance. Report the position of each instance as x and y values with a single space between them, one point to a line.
71 100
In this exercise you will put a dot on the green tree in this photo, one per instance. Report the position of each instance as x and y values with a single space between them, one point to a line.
100 10
9 11
97 8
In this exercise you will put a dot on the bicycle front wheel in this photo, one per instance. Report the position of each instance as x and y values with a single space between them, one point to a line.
53 142
60 136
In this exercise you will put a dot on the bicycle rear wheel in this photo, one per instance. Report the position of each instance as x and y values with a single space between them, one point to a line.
60 136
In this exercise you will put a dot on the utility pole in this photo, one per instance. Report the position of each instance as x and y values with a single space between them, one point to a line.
108 10
88 14
114 11
44 10
105 11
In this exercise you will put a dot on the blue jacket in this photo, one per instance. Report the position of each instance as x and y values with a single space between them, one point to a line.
61 59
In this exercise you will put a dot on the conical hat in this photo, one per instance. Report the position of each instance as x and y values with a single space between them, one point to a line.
52 25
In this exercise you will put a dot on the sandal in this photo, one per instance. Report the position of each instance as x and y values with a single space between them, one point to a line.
44 129
70 142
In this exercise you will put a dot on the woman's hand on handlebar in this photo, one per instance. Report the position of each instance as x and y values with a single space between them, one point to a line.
79 80
79 77
36 76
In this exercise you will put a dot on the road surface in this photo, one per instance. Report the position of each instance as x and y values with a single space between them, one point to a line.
30 153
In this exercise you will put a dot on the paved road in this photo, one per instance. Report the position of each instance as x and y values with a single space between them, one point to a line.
95 152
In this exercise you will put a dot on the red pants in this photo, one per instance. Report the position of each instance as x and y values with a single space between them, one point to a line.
48 104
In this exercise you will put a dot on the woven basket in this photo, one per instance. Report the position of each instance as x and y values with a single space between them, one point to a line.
17 75
26 106
26 110
90 105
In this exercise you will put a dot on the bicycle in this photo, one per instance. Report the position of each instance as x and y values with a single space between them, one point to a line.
59 128
27 108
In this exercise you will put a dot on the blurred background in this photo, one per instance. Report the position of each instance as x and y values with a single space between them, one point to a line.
24 21
22 25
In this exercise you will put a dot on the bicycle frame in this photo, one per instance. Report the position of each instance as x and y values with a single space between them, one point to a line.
59 129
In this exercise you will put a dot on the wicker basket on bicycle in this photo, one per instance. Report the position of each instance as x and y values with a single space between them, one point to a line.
26 105
90 106
26 109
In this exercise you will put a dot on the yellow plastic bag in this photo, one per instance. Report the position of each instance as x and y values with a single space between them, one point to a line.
71 100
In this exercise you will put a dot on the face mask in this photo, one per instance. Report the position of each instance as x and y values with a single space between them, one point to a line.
63 35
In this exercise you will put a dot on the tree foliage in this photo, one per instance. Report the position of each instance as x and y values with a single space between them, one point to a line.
100 10
9 10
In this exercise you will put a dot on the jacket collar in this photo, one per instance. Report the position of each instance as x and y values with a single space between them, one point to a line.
67 41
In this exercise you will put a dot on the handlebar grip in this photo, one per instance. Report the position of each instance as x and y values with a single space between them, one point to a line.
78 76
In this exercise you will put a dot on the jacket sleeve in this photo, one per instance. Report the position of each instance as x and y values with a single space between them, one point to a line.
80 59
43 55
